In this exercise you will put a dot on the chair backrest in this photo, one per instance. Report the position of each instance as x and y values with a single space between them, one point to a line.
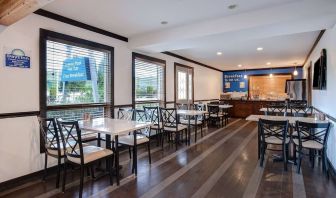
49 131
140 115
71 138
169 117
272 128
182 106
278 109
213 109
300 110
152 114
126 114
199 107
318 132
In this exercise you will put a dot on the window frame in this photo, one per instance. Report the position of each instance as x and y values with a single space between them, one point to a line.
193 81
149 59
55 36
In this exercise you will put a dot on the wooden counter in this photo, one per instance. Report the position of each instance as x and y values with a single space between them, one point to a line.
244 108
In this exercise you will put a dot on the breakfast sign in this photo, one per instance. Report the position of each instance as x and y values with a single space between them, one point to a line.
17 58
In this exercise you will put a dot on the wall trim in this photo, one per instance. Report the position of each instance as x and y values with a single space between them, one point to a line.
266 68
190 60
69 21
314 45
19 114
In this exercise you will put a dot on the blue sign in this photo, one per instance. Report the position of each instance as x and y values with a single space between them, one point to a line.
76 69
17 58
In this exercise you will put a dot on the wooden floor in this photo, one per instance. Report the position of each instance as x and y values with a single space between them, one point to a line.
221 164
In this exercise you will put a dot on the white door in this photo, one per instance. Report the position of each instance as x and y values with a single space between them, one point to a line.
184 85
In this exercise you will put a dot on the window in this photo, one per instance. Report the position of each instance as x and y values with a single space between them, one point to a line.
184 84
76 77
148 81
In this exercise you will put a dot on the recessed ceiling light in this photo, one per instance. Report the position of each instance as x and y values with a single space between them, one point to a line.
260 49
164 22
233 6
219 53
268 63
240 65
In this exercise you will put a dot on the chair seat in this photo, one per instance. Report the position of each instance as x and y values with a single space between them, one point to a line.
275 140
192 122
180 127
129 139
309 144
53 151
159 126
216 115
89 136
152 133
90 154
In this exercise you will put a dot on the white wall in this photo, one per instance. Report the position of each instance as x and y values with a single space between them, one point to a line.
19 88
324 100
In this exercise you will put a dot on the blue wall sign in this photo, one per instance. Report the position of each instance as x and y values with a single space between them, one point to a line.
17 58
234 81
76 69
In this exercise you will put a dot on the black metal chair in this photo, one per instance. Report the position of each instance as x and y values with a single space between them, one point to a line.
77 154
170 124
299 110
126 114
215 115
313 137
52 145
273 133
142 136
276 109
152 114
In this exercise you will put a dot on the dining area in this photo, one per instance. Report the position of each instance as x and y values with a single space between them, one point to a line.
161 99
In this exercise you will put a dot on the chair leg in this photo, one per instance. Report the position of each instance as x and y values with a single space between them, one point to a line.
58 172
149 153
81 181
64 176
45 166
202 130
111 169
262 154
92 172
284 151
176 137
294 154
299 163
129 152
195 133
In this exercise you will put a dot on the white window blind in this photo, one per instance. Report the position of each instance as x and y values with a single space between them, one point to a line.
77 75
149 83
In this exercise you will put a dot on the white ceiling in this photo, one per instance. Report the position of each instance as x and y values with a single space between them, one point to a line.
197 29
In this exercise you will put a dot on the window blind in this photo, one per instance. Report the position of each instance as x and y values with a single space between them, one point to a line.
149 83
77 75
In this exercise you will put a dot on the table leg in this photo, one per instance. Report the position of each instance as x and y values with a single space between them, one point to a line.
189 131
108 146
135 156
258 142
117 159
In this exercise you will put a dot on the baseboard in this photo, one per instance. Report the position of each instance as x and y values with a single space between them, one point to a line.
12 183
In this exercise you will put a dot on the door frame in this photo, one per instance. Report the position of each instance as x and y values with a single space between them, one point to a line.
175 83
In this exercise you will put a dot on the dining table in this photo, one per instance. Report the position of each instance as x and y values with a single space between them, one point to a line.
115 128
189 114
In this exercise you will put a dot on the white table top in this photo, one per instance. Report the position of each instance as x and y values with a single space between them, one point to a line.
190 112
291 119
277 110
112 126
225 106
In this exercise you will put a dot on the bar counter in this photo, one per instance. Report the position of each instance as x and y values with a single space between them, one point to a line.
244 108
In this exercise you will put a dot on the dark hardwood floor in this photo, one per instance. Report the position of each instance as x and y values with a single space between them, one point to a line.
223 163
